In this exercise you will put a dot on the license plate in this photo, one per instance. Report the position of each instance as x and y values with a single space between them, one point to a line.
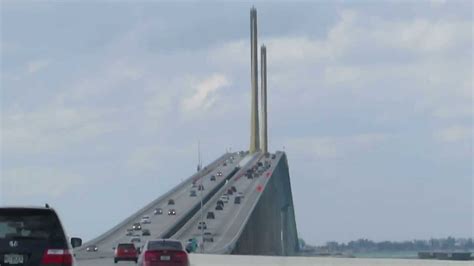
13 259
165 258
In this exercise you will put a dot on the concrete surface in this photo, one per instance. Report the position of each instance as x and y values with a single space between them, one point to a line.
240 260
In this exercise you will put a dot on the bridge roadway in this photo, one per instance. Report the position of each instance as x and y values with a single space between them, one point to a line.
160 224
229 222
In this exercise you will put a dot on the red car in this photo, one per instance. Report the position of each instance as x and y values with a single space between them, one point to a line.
164 252
126 251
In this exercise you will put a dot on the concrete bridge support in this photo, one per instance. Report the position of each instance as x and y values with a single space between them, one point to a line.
271 228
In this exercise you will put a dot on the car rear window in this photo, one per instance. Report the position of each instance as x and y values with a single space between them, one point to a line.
165 244
31 224
126 246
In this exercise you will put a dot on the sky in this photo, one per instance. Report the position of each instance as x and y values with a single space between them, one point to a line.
103 103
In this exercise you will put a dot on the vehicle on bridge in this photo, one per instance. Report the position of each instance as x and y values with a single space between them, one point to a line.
192 245
210 215
158 211
213 178
171 202
163 252
145 220
193 193
207 237
202 225
172 212
34 236
137 226
145 232
92 248
126 252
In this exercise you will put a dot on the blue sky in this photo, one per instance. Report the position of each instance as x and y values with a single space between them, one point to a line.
103 104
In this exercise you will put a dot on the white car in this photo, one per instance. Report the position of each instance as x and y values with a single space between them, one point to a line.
225 199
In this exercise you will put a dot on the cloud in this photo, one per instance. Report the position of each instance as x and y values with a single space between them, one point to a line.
28 181
454 134
205 93
329 147
36 66
51 128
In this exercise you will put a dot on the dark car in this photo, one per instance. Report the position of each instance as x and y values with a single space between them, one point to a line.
210 215
172 212
171 202
202 226
273 156
220 202
201 187
213 178
234 189
145 232
193 193
164 252
92 248
137 226
219 208
34 236
126 252
158 211
230 192
237 200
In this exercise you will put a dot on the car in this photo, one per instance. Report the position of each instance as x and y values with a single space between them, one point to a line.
201 187
237 200
32 236
137 226
158 211
125 252
145 232
233 188
210 215
219 207
92 248
220 202
145 220
207 237
240 194
202 226
273 156
164 252
224 199
171 202
213 178
135 240
219 173
230 192
224 164
193 193
192 245
171 212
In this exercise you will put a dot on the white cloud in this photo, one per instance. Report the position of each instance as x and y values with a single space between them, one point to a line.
51 128
454 133
38 181
205 93
329 147
36 66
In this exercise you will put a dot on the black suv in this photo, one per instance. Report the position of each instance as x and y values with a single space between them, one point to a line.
34 236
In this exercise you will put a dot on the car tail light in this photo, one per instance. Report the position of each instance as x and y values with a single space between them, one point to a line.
57 257
152 255
180 256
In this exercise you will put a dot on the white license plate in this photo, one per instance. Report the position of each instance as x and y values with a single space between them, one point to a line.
165 258
13 259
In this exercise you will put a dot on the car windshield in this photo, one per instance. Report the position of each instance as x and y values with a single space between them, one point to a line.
164 244
126 246
30 224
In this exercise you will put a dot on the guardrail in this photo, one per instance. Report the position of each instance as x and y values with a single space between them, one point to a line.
206 170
